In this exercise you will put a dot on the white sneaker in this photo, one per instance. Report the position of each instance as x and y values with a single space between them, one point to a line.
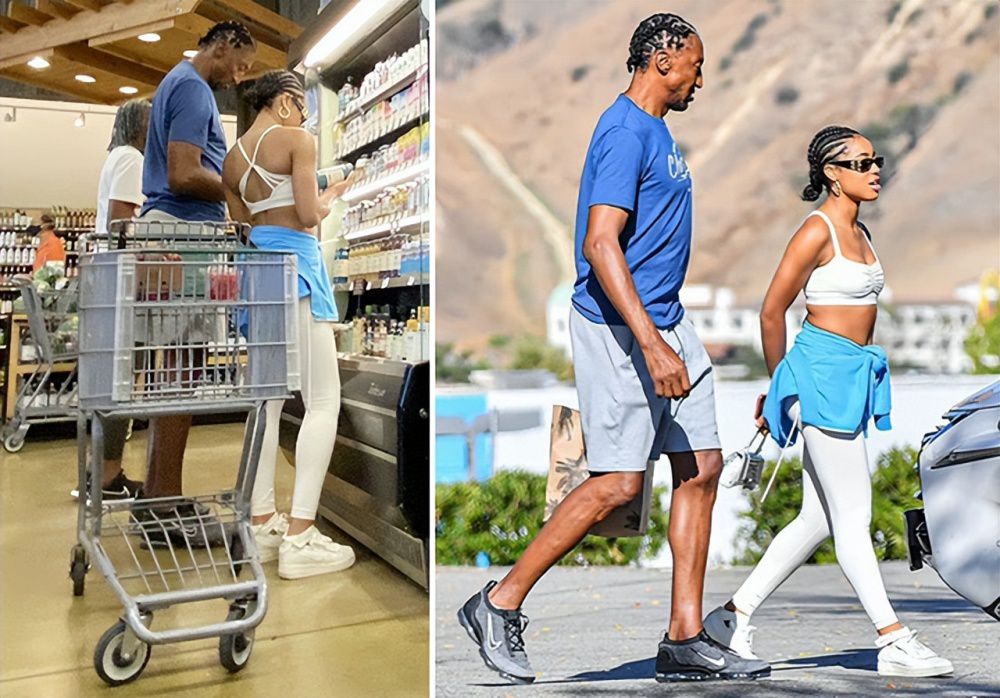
311 553
268 536
732 630
902 654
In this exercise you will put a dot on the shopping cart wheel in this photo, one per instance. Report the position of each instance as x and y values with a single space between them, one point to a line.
78 569
114 667
14 442
234 650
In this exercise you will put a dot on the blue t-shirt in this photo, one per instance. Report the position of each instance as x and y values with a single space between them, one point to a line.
633 163
184 109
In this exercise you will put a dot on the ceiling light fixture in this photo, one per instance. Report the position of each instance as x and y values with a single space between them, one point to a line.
38 63
349 29
83 77
150 38
80 121
190 53
128 90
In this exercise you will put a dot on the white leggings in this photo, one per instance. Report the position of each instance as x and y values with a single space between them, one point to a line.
837 499
321 396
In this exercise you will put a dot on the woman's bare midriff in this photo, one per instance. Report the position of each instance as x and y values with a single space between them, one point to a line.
284 216
855 322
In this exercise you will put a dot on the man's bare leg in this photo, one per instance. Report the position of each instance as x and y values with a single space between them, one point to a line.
695 482
167 441
589 503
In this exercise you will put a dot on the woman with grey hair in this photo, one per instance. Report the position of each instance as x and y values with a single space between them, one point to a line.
119 195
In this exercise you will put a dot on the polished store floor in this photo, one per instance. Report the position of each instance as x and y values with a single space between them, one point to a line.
361 632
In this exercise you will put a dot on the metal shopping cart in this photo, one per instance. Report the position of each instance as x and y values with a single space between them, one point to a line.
48 393
204 328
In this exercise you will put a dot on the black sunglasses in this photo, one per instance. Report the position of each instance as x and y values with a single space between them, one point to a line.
861 165
301 107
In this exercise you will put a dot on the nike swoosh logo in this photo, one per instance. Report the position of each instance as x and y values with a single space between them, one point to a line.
490 642
720 662
111 493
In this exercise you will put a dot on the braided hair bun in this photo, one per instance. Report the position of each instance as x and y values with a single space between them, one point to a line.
263 90
655 33
825 146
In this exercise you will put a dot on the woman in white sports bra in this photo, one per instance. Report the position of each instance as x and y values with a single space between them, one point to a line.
828 387
270 179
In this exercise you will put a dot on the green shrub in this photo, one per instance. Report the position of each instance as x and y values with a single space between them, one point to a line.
894 483
452 367
531 352
983 345
504 514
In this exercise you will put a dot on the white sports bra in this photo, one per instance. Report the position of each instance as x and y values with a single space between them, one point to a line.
843 281
281 184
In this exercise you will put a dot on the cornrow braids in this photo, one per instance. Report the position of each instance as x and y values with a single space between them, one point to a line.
660 31
825 146
233 33
271 84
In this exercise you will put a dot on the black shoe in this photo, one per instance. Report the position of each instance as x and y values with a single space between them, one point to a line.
179 525
499 635
703 659
121 489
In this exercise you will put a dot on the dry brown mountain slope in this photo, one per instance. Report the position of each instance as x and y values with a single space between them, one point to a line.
926 82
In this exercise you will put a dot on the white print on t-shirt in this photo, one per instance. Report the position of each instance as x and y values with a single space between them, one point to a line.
678 165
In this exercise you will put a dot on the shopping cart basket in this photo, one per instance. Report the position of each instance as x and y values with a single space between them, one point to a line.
171 332
48 393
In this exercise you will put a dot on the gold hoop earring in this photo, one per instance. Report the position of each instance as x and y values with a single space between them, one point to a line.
284 114
836 188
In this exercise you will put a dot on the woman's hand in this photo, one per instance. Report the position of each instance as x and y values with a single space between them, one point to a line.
758 412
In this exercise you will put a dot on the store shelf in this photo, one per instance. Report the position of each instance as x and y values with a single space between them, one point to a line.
383 92
387 137
404 174
397 282
401 226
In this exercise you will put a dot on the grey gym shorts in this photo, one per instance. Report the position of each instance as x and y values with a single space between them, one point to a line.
625 424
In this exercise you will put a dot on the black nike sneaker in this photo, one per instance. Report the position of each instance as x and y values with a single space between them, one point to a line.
185 523
499 635
701 658
121 489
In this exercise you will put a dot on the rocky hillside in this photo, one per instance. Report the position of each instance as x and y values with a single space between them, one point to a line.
921 77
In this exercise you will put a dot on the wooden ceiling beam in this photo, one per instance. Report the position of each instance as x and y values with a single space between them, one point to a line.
54 8
28 15
92 5
134 56
84 55
132 32
10 25
39 81
87 25
24 58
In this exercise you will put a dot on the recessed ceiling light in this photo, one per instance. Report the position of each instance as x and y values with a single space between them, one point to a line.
149 38
190 53
38 63
80 121
128 90
86 78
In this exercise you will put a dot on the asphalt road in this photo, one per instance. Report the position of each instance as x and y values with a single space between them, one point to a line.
593 632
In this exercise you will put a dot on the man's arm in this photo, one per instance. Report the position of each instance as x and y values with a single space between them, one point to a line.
188 177
602 249
121 210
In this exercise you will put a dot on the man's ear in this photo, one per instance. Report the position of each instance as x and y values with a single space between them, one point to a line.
662 61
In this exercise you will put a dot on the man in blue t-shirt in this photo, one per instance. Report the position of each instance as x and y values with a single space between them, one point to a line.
182 181
643 377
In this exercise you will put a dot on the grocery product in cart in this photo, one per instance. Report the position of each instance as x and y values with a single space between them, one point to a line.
158 337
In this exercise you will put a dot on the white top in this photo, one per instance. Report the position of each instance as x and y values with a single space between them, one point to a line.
843 281
121 179
281 184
